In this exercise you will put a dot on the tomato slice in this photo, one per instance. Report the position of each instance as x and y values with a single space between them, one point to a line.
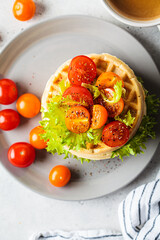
21 154
99 116
79 94
77 119
9 119
35 138
115 134
59 176
113 109
8 91
82 69
108 80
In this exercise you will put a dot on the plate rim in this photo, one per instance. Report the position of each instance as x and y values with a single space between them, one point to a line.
31 28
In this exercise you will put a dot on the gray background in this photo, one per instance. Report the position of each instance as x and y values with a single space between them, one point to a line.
23 212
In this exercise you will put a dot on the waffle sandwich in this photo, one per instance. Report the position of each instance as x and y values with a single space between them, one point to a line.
134 99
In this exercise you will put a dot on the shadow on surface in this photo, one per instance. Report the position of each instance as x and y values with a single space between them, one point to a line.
40 9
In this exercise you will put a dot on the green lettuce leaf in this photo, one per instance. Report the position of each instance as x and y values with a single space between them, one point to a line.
93 89
117 93
63 85
59 139
140 80
96 92
127 119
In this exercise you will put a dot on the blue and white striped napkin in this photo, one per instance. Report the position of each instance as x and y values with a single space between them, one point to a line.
139 217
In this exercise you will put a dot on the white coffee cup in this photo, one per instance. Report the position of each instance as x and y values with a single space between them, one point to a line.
129 21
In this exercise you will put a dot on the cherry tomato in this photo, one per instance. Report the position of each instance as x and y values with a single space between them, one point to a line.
108 80
79 94
82 69
115 134
9 119
8 91
24 10
21 154
28 105
113 109
59 176
77 119
35 139
99 116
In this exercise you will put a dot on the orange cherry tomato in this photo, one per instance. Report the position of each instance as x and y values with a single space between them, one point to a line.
99 116
59 176
77 119
108 80
28 105
24 10
35 139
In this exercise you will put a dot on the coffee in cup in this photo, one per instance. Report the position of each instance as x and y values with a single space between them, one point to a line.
138 10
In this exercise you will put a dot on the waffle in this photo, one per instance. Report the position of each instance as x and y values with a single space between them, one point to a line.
134 99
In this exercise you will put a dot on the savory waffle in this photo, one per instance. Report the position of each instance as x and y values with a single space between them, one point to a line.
134 99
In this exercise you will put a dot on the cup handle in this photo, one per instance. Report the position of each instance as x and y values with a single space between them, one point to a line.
158 27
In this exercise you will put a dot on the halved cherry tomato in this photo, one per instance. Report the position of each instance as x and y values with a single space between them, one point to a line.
77 119
115 134
9 119
99 116
24 10
108 80
82 69
113 109
8 91
59 176
35 139
28 105
79 94
21 154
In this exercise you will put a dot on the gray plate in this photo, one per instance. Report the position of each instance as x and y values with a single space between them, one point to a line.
30 59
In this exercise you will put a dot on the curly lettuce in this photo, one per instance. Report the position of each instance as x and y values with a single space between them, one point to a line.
127 119
93 89
59 139
96 92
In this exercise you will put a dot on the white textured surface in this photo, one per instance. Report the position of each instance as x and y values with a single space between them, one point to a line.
23 212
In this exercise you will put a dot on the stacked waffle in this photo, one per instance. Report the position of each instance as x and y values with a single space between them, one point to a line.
134 99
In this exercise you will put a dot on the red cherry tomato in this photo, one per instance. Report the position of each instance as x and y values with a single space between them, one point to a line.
115 134
8 91
35 139
28 105
59 176
77 119
79 94
24 10
21 154
82 69
9 119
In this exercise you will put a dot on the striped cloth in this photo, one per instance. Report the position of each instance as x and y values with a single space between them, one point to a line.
139 217
139 213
